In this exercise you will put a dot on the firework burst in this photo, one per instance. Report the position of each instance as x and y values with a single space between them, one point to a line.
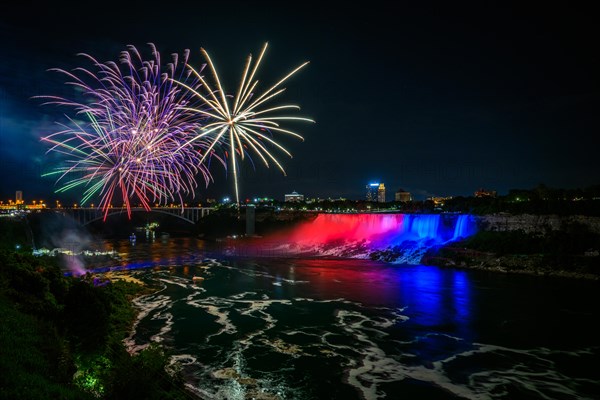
243 123
130 142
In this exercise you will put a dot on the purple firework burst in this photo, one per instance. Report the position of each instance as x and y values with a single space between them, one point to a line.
129 138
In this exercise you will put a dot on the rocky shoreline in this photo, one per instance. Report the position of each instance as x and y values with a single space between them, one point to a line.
531 223
577 267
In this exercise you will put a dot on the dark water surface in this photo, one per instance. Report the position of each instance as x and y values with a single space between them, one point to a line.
277 328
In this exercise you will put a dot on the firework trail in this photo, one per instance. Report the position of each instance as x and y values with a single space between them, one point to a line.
243 123
132 139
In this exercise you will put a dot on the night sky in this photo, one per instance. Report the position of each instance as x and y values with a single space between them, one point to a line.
437 99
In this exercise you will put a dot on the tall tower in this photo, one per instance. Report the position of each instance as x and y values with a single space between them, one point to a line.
372 191
19 196
381 193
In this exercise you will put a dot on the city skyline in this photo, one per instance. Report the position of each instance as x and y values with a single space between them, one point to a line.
437 100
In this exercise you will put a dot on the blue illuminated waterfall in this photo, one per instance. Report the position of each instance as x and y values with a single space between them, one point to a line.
359 235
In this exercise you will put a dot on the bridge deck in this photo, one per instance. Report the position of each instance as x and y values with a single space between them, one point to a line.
86 215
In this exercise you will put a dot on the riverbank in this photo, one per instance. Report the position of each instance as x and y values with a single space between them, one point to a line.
62 337
571 252
529 264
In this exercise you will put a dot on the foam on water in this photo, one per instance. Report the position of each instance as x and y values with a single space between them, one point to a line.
166 328
346 333
145 305
174 282
374 366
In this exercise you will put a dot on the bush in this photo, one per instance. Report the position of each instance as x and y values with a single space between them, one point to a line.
144 377
86 316
35 362
56 327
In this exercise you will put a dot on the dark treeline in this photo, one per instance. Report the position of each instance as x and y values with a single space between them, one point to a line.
539 200
226 221
61 337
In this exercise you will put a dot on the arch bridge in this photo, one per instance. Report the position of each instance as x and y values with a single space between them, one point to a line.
87 215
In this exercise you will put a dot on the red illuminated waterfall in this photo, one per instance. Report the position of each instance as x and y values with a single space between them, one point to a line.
358 235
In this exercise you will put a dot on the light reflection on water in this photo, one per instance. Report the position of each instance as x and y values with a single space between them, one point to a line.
346 329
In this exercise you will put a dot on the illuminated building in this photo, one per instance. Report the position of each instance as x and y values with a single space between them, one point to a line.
381 193
262 200
439 201
372 191
403 196
485 193
19 204
294 196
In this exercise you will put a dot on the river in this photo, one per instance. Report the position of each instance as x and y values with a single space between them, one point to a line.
330 328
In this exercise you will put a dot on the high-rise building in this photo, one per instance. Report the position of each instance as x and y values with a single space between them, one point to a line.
372 191
403 196
19 196
381 193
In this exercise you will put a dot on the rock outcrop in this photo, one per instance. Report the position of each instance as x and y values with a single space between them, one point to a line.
530 223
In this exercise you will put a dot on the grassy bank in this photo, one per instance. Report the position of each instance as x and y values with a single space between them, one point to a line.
61 337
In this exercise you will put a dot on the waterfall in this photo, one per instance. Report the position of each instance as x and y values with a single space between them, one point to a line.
359 235
462 228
